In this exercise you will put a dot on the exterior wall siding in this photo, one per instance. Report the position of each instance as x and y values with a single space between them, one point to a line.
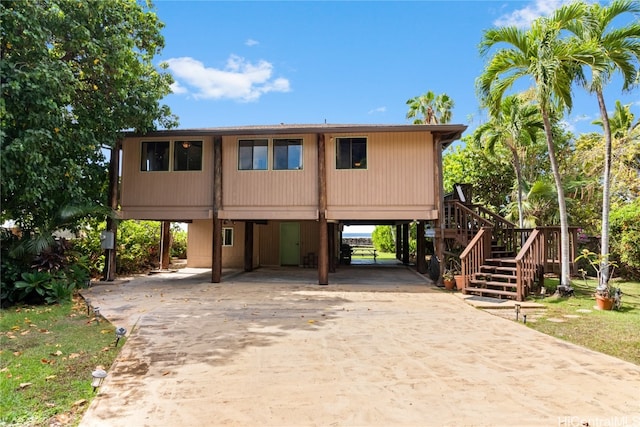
165 195
269 194
399 173
199 245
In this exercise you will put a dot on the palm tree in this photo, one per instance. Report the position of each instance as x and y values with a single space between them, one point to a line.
621 48
625 153
430 109
553 63
515 125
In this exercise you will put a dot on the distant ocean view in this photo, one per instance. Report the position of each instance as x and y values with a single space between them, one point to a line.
356 235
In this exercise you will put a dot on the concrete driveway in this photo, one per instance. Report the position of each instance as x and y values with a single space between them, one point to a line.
378 347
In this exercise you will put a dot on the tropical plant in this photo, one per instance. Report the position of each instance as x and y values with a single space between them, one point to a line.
625 243
383 238
554 63
620 48
74 75
596 262
430 109
515 126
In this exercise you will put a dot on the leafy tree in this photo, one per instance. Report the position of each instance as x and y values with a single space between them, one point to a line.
620 47
515 126
490 176
74 75
430 109
553 63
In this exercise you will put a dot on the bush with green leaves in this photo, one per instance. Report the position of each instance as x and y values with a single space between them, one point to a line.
52 276
178 242
383 238
625 239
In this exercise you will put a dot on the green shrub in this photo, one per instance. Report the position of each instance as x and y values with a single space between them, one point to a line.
178 242
625 239
137 246
383 238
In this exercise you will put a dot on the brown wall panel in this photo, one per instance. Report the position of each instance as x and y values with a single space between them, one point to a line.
399 176
163 192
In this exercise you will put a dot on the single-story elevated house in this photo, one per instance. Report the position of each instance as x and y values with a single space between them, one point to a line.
280 195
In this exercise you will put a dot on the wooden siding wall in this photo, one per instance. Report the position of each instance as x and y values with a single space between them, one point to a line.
171 195
269 194
400 170
199 246
270 241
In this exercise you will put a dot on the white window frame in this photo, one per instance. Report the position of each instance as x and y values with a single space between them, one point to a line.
227 241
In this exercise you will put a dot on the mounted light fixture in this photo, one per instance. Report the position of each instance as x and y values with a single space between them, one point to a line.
186 144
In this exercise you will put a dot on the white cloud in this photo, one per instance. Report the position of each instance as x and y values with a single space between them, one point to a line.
378 110
524 17
251 42
177 88
239 79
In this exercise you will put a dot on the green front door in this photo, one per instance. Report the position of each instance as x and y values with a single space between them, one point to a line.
290 243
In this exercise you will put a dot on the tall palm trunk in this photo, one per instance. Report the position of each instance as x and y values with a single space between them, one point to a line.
606 188
518 170
565 275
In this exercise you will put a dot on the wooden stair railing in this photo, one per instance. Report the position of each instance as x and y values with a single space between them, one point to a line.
515 278
475 254
530 264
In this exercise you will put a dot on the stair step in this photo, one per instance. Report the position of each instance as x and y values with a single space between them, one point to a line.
501 254
501 261
495 269
484 276
490 284
498 292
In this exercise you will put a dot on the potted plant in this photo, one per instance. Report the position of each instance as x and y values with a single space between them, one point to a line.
459 278
607 297
448 280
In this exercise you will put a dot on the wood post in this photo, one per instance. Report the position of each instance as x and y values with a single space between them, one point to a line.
421 264
398 242
216 252
440 222
332 247
323 247
165 245
109 272
405 244
248 246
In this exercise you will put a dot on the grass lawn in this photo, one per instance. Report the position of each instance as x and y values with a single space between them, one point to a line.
47 354
616 333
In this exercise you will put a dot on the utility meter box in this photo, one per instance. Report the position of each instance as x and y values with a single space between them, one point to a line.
106 240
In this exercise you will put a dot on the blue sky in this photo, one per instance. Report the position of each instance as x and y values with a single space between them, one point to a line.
248 63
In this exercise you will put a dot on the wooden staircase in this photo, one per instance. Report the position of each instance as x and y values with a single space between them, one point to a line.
497 278
499 260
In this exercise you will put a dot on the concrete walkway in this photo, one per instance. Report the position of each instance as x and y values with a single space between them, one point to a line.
377 347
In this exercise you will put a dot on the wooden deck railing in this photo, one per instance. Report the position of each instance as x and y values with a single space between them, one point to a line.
462 221
475 254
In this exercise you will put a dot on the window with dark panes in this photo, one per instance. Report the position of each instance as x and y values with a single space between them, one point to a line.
154 156
227 236
252 154
351 153
287 154
187 156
